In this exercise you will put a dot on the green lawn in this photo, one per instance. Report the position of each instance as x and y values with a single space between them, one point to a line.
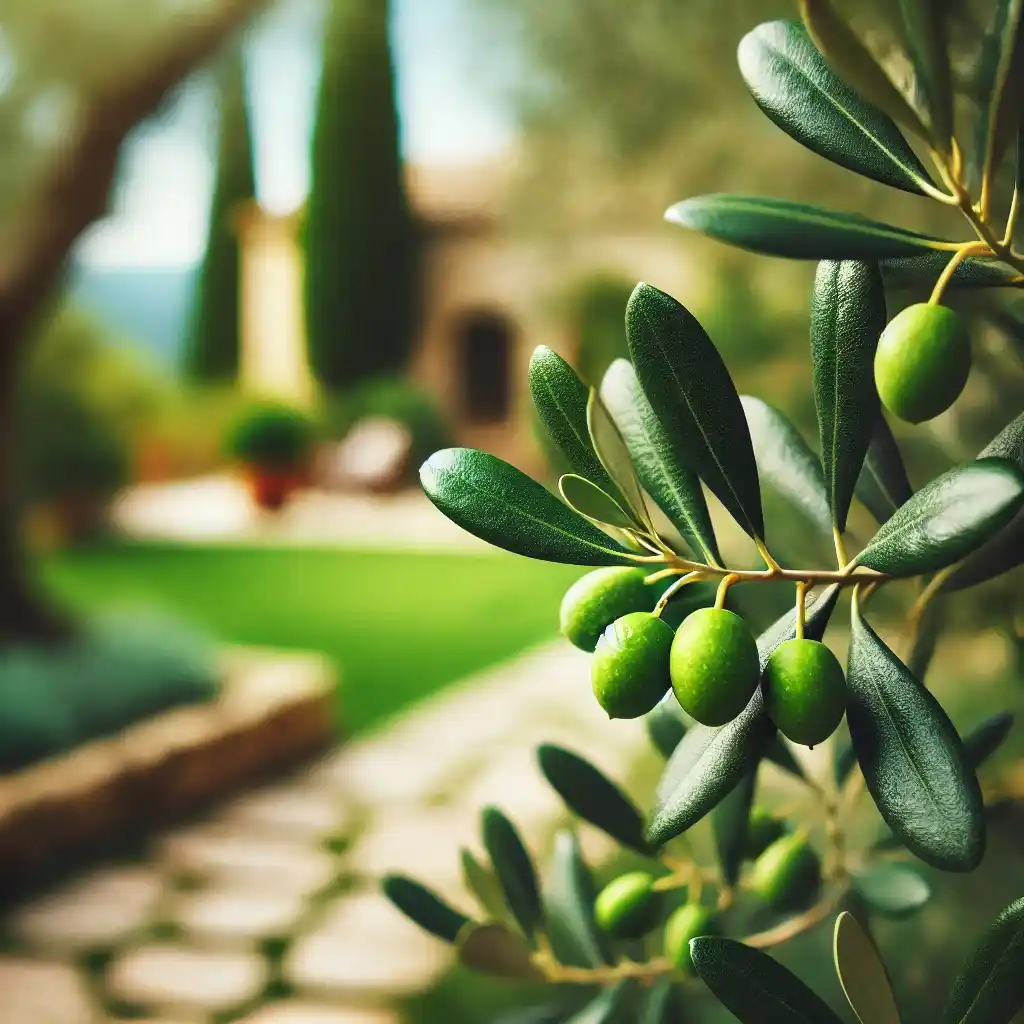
398 625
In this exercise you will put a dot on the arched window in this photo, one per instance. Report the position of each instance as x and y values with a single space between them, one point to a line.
483 346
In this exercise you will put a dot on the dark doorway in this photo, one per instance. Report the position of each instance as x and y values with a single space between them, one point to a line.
484 353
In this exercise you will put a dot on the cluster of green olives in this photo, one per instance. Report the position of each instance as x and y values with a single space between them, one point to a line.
710 661
785 875
922 361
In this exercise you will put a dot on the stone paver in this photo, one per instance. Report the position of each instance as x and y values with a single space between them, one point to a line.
237 918
297 811
95 911
32 992
295 1012
172 978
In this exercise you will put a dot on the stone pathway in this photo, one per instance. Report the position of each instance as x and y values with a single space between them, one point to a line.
268 912
218 509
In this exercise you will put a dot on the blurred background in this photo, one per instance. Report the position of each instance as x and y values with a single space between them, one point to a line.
332 236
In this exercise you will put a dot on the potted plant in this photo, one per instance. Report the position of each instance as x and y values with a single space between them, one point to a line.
272 443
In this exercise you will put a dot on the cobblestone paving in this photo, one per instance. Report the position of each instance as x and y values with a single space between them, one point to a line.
267 911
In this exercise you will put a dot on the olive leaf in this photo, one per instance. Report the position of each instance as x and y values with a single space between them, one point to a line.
990 986
659 1008
514 869
592 503
893 890
694 400
674 487
710 761
794 86
883 485
862 974
986 738
592 796
785 461
604 1008
854 62
947 519
729 822
922 271
496 950
779 227
482 883
911 756
754 987
847 316
925 33
614 456
503 506
560 398
424 907
569 895
1005 551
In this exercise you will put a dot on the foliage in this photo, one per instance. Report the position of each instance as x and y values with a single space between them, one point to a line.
271 436
360 239
121 668
215 331
669 423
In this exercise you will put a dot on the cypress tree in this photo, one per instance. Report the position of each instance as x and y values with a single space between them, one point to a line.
360 239
215 329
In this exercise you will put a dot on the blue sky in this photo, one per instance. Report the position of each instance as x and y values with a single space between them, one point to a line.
448 116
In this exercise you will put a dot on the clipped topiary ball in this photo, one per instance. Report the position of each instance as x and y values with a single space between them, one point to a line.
805 691
715 666
922 362
630 667
600 597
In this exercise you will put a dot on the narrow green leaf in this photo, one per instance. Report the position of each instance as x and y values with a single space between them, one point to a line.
560 398
667 479
990 986
614 456
592 503
779 227
424 907
947 519
929 53
604 1008
1005 551
481 882
503 506
592 796
709 762
666 724
855 64
494 949
923 271
785 461
754 987
659 1008
883 485
569 895
729 825
847 316
996 86
862 974
794 86
986 738
695 400
891 889
514 869
911 757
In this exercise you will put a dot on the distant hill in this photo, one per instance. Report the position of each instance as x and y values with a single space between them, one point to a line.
147 307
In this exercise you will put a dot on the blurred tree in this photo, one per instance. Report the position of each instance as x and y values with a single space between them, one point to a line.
214 342
360 239
75 79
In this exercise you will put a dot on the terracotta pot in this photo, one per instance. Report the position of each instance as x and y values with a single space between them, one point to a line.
271 488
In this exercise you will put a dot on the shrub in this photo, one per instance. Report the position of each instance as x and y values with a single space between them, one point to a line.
271 436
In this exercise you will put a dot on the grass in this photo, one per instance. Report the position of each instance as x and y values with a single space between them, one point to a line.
398 625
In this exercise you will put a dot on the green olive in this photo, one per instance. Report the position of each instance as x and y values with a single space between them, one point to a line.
922 362
600 597
629 670
628 905
804 691
763 828
787 874
715 665
688 922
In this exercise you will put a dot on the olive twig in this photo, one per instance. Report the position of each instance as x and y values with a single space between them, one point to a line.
671 592
801 923
967 249
801 610
723 589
